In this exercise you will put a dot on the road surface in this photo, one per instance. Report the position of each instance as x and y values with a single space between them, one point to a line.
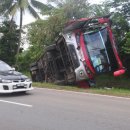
44 109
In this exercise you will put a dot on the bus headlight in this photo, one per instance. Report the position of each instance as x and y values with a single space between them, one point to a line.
81 73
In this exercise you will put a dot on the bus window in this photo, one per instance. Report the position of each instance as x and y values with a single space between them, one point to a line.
73 56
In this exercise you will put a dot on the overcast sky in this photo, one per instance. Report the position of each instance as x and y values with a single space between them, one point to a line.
27 18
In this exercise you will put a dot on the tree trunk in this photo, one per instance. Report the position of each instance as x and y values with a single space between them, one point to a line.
20 31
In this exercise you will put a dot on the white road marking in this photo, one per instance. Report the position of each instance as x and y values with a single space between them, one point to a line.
86 93
21 104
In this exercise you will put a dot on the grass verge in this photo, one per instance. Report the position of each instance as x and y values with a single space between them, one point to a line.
107 80
104 91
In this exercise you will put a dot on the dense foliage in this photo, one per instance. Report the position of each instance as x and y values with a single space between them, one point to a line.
121 27
126 46
73 9
8 41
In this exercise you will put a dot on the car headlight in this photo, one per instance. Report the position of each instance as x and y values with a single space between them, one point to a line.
28 80
5 81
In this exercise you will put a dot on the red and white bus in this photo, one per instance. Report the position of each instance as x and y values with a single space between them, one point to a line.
83 50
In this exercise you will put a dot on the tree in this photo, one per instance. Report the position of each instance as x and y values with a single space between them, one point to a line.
99 9
43 32
73 9
8 42
126 46
121 16
4 5
21 6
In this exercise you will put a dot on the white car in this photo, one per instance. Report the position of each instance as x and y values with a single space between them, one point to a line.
13 81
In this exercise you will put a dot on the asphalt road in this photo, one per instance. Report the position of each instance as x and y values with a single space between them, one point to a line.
43 109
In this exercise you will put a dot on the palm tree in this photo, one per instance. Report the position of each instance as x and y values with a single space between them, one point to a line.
21 6
4 5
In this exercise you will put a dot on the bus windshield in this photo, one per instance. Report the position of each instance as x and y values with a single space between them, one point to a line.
95 46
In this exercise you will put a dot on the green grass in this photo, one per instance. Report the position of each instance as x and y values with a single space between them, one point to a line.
107 80
105 84
54 86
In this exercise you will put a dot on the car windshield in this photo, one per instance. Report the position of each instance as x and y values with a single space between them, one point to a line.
4 66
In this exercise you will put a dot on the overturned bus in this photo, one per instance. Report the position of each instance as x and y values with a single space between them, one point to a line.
85 48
